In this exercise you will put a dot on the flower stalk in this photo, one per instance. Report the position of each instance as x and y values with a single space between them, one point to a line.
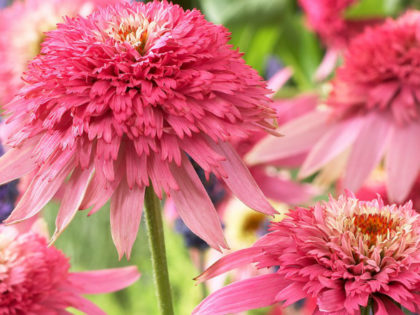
155 235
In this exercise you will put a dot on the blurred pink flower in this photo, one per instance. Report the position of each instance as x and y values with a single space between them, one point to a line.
327 19
35 277
372 113
345 253
22 27
119 99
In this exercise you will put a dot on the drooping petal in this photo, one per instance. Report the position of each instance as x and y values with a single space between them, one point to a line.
73 196
335 141
43 187
279 79
367 150
126 211
383 306
103 281
85 306
402 161
242 295
194 205
229 262
299 136
292 293
328 63
240 180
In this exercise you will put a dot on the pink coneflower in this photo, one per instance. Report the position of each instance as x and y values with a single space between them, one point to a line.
35 277
372 112
118 100
22 27
345 253
327 19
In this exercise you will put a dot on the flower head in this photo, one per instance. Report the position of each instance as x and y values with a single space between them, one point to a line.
22 28
35 277
372 113
345 253
119 99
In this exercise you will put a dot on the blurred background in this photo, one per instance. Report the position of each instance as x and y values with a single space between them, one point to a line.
272 34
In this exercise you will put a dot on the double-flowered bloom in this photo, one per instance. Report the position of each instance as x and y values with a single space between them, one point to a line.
345 253
121 100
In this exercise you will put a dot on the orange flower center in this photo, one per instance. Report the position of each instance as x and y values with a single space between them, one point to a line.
373 225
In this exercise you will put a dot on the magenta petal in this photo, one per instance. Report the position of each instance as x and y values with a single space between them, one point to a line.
74 192
367 150
232 261
42 188
384 306
242 295
240 180
291 293
103 281
299 136
126 211
402 161
335 141
86 306
194 205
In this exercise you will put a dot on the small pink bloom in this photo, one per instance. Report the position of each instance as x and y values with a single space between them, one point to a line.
22 27
372 113
118 100
345 253
35 277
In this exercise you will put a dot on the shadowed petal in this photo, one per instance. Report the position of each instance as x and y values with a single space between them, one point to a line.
195 207
126 210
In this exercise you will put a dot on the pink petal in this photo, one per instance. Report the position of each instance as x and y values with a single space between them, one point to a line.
384 306
103 281
279 79
74 192
335 141
367 150
232 261
328 63
402 161
18 162
240 180
43 187
299 136
242 295
86 306
291 293
283 190
126 210
194 205
331 300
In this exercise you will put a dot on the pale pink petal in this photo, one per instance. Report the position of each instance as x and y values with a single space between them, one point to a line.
328 63
42 188
232 261
73 196
283 190
194 205
240 180
299 136
335 141
242 295
367 150
103 281
126 210
17 162
279 79
402 161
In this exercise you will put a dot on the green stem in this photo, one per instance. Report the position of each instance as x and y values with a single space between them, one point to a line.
154 224
365 310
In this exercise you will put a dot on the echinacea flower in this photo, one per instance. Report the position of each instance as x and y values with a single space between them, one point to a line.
345 253
22 27
121 100
371 113
327 18
35 277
